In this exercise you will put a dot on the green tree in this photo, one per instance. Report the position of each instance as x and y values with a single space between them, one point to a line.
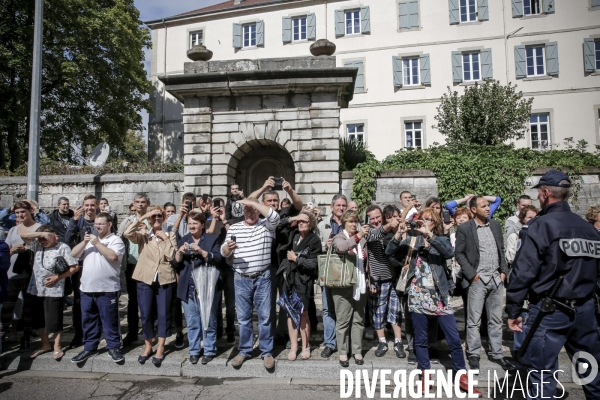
487 114
93 83
132 149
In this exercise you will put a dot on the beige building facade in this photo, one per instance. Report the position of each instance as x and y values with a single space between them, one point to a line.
408 53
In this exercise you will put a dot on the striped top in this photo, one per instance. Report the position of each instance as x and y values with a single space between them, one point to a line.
254 242
379 264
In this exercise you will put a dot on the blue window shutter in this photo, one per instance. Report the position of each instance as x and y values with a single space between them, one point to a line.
359 84
365 20
340 23
413 11
397 64
425 69
552 58
487 71
404 16
311 26
237 36
286 32
517 8
549 6
260 33
589 58
483 12
457 70
520 62
595 3
453 10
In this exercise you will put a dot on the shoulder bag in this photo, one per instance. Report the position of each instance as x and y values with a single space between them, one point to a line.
337 270
401 285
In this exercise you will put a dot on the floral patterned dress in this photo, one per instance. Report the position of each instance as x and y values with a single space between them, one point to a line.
423 296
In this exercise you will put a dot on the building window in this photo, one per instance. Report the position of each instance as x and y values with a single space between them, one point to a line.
532 7
250 35
195 39
299 26
414 134
352 22
538 125
597 45
471 67
468 11
535 61
410 67
356 132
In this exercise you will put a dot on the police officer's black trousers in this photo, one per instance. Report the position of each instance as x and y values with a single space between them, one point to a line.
578 333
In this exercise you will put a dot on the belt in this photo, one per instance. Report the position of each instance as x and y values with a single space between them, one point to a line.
569 302
251 275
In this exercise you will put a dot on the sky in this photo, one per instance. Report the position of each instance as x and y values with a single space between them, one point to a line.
156 9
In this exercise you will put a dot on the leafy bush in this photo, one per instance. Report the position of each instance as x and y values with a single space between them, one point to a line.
352 153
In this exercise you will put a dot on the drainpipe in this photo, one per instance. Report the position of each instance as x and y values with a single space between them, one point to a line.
506 40
164 94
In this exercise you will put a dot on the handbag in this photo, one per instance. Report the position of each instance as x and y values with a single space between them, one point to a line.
61 266
24 262
337 270
401 285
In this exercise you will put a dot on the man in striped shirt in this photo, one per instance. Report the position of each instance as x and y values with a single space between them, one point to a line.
249 244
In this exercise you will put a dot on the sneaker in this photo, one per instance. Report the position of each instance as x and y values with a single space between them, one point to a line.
25 343
238 361
412 357
179 341
434 357
399 350
231 339
369 333
269 362
382 348
473 362
81 357
207 359
116 355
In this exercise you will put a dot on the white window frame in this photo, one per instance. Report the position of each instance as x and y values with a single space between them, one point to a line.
471 55
467 5
414 132
251 29
195 41
299 20
353 25
540 6
355 135
407 78
538 124
534 60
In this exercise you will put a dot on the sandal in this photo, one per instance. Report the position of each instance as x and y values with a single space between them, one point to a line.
58 354
305 355
292 354
38 353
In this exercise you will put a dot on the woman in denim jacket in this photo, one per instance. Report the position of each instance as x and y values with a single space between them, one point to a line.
428 286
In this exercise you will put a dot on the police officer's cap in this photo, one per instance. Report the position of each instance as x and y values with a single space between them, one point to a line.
553 178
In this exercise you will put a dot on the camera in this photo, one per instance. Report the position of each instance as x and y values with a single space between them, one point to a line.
412 224
188 204
190 246
278 184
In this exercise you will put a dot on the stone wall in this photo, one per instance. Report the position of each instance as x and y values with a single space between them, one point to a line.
119 189
423 183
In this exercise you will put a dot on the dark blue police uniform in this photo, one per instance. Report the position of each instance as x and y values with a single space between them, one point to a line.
557 243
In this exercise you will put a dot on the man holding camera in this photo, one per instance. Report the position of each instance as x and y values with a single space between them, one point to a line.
249 244
100 288
83 219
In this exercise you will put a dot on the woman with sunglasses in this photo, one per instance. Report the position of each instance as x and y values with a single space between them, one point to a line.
156 279
428 287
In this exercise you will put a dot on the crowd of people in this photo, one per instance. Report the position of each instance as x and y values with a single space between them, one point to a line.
409 262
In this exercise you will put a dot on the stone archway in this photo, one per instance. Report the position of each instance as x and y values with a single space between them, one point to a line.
267 158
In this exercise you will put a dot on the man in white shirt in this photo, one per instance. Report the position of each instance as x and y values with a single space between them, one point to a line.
512 224
408 205
100 288
251 252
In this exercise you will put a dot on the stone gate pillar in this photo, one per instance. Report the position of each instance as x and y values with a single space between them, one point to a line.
284 112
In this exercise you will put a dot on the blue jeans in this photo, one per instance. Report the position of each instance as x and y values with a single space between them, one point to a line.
519 337
329 319
191 309
250 293
100 311
448 325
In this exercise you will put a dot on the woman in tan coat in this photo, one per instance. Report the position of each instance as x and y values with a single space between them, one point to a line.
156 279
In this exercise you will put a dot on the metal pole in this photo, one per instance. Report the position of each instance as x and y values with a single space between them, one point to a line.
33 170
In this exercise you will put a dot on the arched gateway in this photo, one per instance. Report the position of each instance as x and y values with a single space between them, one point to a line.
247 119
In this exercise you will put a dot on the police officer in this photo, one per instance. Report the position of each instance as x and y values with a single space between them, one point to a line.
556 243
